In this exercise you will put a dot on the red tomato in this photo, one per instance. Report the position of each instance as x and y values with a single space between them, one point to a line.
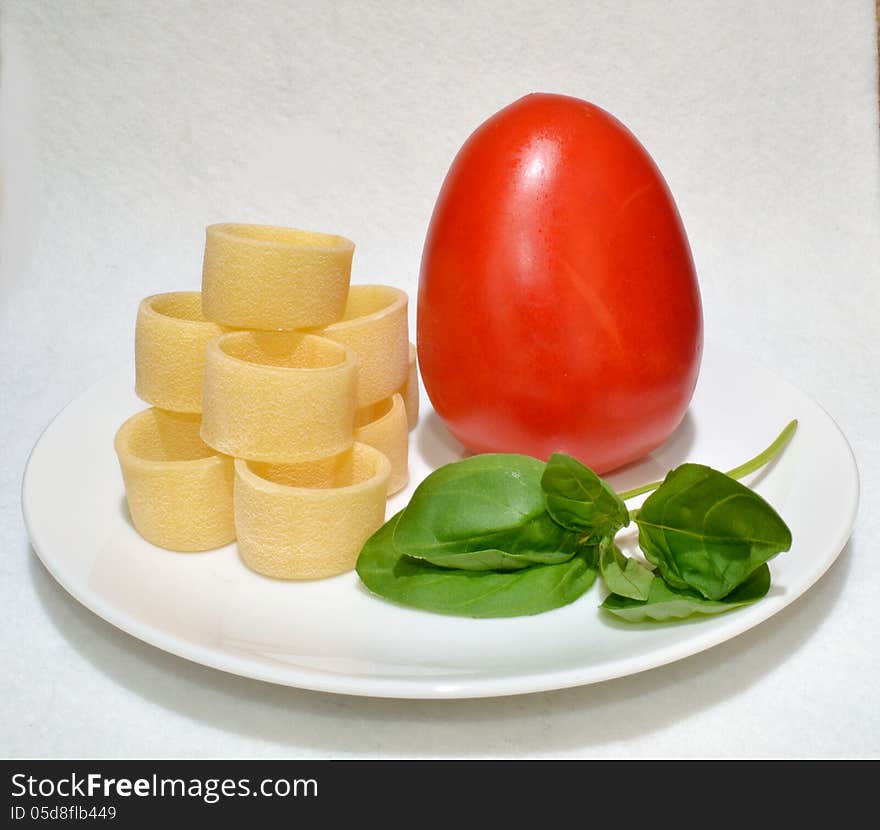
558 306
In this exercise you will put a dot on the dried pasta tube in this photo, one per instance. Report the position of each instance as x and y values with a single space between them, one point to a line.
278 396
179 491
384 426
171 334
270 278
375 327
410 390
307 521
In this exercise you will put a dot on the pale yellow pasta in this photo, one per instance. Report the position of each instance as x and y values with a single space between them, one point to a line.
308 521
375 328
278 396
384 427
169 346
410 390
179 491
270 278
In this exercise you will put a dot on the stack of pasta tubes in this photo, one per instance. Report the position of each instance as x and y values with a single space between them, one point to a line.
281 398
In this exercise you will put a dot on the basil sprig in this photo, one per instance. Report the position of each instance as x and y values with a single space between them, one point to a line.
500 535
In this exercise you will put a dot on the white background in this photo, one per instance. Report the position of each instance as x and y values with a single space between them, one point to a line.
125 128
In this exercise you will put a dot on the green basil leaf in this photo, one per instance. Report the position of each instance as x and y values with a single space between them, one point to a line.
704 530
386 571
623 576
539 541
483 513
665 603
578 499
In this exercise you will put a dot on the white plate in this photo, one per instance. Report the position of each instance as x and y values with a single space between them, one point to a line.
332 635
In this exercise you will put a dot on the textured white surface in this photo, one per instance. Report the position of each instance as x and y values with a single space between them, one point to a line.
126 128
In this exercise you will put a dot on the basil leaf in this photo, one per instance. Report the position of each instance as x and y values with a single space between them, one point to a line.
579 500
386 571
665 603
704 530
483 513
623 576
539 541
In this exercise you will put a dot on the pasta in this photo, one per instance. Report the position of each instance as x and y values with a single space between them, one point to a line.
269 278
278 396
179 491
309 521
410 390
281 403
171 334
374 327
384 427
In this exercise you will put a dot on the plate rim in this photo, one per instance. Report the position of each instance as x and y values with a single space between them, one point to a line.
387 686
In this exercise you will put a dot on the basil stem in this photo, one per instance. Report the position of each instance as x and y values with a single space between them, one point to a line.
762 458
